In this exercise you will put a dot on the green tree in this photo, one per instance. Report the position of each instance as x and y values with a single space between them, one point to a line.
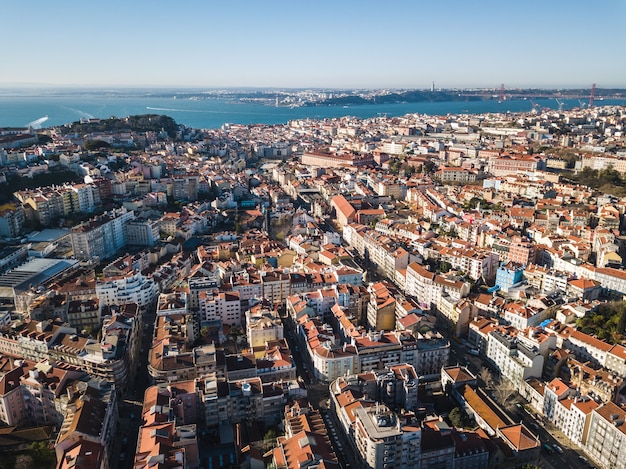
270 435
429 167
96 145
204 332
43 457
459 418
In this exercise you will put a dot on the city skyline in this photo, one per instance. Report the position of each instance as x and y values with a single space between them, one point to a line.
333 45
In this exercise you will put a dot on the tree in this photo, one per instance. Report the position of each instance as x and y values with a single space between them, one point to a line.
43 457
270 435
96 145
234 333
444 266
429 167
506 394
204 332
459 418
486 376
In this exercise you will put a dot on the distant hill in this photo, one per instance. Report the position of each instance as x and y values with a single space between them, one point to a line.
412 96
141 123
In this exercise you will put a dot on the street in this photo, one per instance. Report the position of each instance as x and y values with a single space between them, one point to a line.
131 404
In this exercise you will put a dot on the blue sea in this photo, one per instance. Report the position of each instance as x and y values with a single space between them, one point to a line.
47 111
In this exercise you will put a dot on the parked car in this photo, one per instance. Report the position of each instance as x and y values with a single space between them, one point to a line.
558 449
548 448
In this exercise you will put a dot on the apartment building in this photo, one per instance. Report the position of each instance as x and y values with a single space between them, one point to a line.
130 289
381 310
606 442
262 326
514 360
142 233
223 306
11 220
455 174
101 237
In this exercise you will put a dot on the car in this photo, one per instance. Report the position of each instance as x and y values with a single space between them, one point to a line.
583 459
548 448
122 456
558 449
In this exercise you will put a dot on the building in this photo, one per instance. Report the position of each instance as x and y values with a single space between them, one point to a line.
508 275
522 251
134 288
382 441
327 160
90 420
101 237
223 306
185 187
381 310
142 233
262 326
606 442
11 220
453 174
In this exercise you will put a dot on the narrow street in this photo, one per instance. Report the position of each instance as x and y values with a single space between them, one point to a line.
131 406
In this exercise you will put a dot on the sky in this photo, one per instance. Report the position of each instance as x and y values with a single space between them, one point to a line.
316 44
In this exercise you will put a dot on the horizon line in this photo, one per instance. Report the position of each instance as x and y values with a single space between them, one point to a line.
7 85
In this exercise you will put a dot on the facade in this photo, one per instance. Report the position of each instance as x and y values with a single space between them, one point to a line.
11 220
515 361
101 237
262 326
508 275
381 310
142 233
606 443
224 306
131 289
381 440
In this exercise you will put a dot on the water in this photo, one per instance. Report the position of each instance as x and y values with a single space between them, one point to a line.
47 111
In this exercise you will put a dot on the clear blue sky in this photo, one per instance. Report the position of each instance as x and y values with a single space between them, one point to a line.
340 43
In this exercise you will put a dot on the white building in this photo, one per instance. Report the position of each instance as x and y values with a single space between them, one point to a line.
142 233
225 306
102 237
515 361
132 289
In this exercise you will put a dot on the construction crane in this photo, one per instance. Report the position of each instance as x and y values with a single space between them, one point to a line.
582 103
592 95
560 103
501 93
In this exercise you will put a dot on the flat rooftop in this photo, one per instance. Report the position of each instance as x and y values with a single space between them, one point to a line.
34 272
48 235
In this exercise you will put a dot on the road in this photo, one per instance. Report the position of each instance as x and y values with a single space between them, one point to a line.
318 395
131 403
